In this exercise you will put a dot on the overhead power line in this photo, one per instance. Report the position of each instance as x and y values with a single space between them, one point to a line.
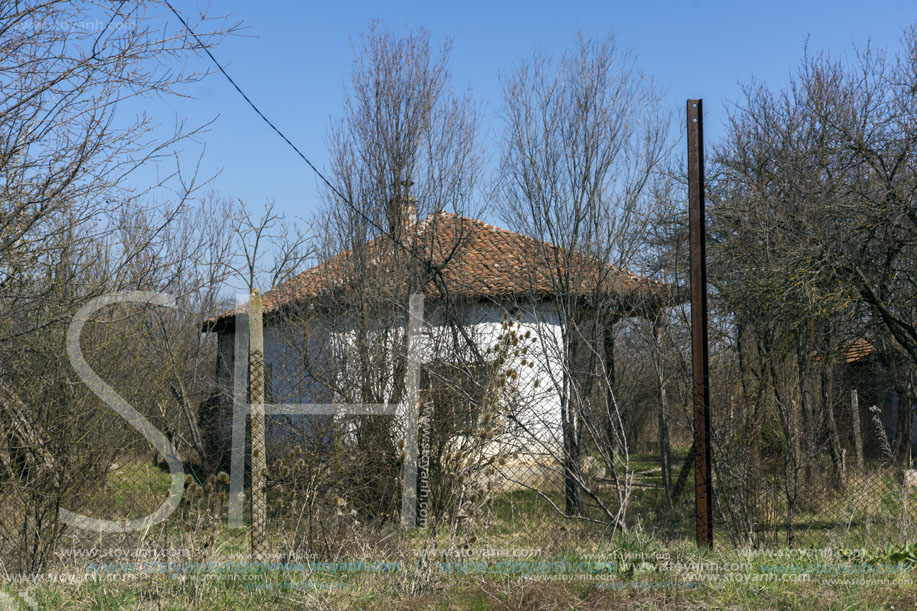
257 110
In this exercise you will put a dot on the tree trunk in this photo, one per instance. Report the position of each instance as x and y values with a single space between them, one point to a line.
837 457
903 429
683 476
665 451
608 356
572 495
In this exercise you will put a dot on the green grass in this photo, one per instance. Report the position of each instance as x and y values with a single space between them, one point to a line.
652 556
650 585
137 486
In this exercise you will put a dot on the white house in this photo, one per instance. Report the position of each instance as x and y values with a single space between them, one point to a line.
483 280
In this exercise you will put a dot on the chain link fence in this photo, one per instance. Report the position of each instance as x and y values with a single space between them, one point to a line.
772 493
504 436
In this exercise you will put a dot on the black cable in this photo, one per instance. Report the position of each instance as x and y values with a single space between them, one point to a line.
285 139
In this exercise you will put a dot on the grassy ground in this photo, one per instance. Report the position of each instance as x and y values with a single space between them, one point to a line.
671 576
521 557
473 594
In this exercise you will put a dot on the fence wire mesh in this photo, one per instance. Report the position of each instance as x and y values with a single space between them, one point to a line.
506 438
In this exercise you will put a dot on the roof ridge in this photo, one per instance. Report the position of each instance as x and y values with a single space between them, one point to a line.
485 261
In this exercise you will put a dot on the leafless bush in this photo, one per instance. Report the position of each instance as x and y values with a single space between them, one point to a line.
70 231
583 138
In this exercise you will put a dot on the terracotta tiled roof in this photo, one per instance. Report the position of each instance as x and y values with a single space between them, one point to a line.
477 261
858 351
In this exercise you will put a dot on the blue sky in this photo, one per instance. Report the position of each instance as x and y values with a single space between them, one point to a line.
294 59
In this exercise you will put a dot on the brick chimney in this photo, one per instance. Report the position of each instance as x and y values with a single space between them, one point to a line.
404 212
409 212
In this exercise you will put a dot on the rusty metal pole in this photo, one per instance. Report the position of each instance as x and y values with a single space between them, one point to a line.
703 485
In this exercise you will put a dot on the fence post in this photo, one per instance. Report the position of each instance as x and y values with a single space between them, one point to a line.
258 458
855 421
409 490
423 466
703 493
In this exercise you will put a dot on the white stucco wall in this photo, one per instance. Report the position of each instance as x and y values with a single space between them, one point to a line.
535 427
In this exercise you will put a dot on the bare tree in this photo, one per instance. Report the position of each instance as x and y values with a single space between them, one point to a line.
70 231
270 235
812 214
583 135
403 150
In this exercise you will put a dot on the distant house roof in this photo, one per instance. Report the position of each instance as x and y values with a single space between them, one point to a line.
477 261
858 351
